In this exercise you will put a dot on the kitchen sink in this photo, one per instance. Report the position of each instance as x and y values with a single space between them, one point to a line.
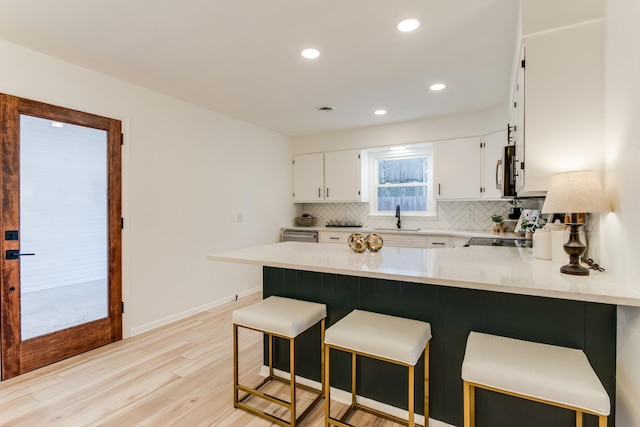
488 241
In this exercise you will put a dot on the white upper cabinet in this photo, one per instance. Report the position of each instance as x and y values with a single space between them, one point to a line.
342 176
457 169
492 147
308 177
559 105
335 176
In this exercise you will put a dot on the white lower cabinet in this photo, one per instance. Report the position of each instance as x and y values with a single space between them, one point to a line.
404 240
401 239
438 242
459 242
333 237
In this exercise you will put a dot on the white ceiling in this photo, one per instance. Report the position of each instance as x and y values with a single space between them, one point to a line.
242 57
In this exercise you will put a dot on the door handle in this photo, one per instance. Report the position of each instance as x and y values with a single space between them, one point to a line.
14 254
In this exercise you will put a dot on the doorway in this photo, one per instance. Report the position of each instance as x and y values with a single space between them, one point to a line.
61 280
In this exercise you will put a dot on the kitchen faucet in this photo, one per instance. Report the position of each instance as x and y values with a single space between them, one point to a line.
398 216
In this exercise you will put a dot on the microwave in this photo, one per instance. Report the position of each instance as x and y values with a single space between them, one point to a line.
506 172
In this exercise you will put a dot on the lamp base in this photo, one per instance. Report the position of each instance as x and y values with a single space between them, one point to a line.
574 248
576 270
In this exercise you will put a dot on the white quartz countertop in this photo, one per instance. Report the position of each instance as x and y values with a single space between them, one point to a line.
498 269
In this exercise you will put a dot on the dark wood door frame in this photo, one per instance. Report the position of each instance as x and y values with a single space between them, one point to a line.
23 356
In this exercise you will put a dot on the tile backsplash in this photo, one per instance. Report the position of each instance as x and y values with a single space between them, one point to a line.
458 215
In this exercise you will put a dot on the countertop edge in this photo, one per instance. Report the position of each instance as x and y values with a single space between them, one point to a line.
233 257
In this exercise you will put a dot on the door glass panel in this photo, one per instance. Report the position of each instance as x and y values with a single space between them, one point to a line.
63 222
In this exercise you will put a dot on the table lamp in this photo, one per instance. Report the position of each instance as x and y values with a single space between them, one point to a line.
573 193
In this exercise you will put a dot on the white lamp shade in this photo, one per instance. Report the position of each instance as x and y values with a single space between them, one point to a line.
575 192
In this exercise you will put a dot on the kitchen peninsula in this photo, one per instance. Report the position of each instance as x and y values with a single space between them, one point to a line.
504 291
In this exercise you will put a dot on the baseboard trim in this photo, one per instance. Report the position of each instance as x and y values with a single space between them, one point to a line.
179 316
345 398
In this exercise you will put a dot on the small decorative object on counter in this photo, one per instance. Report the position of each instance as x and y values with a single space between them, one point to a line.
374 242
542 243
357 242
516 210
528 227
498 224
305 220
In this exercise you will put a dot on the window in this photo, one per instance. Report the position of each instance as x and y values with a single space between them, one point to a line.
402 177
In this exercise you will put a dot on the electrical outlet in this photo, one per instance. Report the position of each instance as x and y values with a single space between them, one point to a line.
469 216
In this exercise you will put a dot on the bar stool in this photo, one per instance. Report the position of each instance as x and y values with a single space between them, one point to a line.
543 373
285 318
383 337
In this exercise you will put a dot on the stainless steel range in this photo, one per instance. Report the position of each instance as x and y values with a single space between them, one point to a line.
499 241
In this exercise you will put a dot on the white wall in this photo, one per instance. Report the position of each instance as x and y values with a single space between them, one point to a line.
187 173
427 130
620 233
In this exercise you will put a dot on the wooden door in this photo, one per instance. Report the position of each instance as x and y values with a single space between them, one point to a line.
61 233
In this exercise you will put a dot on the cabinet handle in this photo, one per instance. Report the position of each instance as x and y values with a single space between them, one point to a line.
319 192
438 189
438 243
334 238
498 164
327 192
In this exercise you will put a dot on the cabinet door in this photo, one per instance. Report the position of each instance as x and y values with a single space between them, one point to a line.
457 169
563 104
342 176
333 237
404 240
308 177
438 242
491 152
518 133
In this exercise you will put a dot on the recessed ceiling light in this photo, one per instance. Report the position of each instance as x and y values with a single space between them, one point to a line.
380 112
408 25
437 86
310 53
57 124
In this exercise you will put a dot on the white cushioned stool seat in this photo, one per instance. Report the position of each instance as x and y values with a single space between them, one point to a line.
395 338
378 336
541 371
545 373
282 316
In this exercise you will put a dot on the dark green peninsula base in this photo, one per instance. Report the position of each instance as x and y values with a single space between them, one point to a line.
453 313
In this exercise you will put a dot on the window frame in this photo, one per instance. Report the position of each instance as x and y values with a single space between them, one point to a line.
387 153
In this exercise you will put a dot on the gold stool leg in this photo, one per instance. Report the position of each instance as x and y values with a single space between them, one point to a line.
426 385
410 406
270 355
469 404
327 386
322 356
292 368
602 421
578 419
235 365
353 380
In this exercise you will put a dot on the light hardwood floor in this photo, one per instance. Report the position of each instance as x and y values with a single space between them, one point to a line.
177 375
